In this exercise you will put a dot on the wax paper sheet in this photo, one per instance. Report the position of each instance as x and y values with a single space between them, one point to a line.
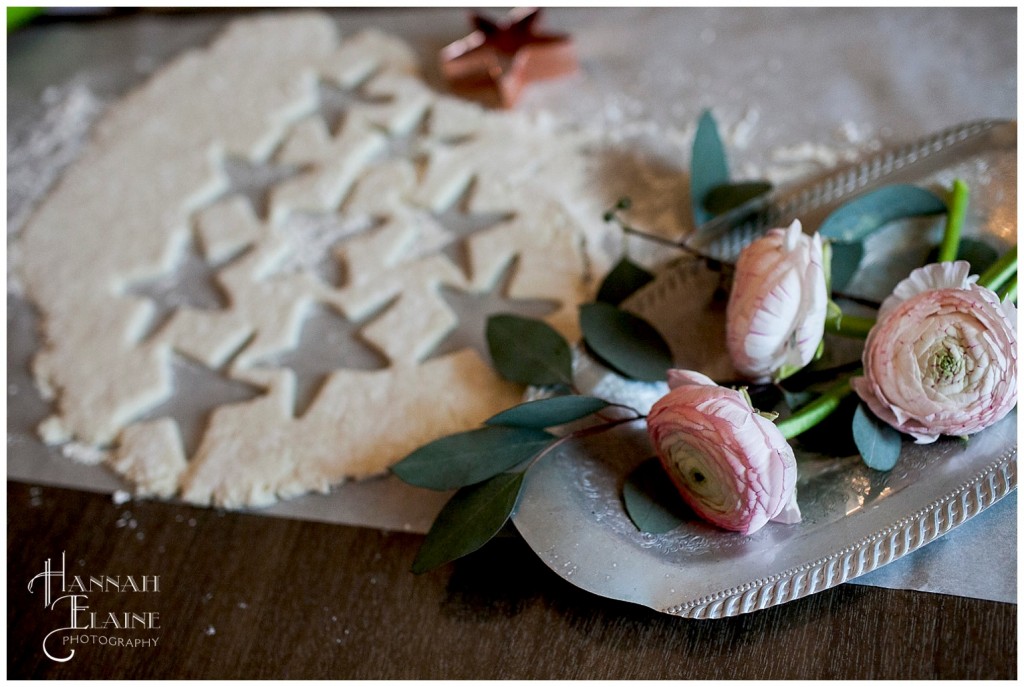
794 90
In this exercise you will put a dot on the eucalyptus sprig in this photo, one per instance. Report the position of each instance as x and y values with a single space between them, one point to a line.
488 465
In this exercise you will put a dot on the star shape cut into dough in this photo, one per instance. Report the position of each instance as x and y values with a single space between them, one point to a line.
461 224
328 342
408 145
191 284
473 309
334 103
198 391
503 56
253 180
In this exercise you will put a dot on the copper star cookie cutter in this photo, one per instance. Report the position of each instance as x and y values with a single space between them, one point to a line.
499 58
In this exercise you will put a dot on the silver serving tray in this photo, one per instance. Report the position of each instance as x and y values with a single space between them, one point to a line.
854 519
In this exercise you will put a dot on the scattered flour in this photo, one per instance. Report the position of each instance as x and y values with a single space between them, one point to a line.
354 228
35 163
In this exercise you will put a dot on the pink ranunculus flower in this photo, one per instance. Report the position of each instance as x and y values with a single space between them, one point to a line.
942 357
775 317
730 464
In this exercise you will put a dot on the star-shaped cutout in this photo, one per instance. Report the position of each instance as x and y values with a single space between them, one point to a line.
253 180
192 284
406 146
473 309
328 342
500 57
199 390
462 224
334 101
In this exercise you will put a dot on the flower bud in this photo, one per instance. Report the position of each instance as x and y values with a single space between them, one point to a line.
775 318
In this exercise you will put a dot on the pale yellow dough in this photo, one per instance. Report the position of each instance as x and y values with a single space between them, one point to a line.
149 185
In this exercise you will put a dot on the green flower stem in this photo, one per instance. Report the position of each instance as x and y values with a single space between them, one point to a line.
815 411
1000 271
1009 290
950 245
850 325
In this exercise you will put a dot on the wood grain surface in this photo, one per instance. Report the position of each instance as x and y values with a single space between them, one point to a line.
247 596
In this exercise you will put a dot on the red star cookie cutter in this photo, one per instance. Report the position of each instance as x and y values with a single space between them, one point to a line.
499 58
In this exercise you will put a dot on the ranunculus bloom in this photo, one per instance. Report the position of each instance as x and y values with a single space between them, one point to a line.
942 357
776 312
730 464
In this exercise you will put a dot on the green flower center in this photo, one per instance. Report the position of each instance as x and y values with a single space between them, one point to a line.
947 362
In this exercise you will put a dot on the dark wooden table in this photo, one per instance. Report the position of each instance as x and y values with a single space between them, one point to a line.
247 596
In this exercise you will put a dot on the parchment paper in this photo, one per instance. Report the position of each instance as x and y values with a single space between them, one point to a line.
793 90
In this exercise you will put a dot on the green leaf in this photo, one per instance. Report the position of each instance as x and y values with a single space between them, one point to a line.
469 520
19 16
725 197
846 258
625 279
528 351
470 457
978 253
878 443
629 344
708 166
867 213
651 500
548 412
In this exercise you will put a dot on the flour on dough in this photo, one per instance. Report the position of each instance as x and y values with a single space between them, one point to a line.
357 227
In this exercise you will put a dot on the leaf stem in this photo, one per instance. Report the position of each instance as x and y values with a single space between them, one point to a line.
852 326
659 239
579 434
612 215
815 411
1009 290
1000 271
950 246
636 413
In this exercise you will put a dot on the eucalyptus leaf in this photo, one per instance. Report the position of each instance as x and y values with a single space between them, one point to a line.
548 412
471 518
470 457
978 253
629 344
651 500
725 197
878 443
871 211
708 165
528 351
625 279
846 258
